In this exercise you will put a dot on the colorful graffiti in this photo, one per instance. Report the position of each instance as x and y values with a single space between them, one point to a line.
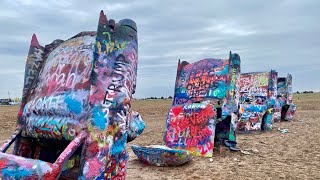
281 100
257 100
136 126
161 155
290 112
60 99
289 89
75 117
204 102
272 101
114 82
285 108
254 85
251 117
191 127
205 79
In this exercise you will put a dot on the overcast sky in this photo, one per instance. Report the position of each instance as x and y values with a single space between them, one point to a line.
283 35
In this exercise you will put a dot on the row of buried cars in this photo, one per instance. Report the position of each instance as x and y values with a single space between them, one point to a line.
75 117
213 102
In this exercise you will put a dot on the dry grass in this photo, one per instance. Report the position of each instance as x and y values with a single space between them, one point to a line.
294 155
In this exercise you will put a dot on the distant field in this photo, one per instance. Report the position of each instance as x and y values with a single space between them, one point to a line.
280 156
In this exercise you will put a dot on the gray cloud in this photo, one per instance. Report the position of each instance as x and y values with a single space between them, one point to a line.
282 35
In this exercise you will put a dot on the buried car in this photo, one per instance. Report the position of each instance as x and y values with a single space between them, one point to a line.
257 100
203 112
76 107
161 155
285 108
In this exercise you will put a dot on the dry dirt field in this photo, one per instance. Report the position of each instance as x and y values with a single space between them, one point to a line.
273 155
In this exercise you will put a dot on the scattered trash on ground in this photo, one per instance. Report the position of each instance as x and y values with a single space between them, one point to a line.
283 130
245 152
211 160
249 151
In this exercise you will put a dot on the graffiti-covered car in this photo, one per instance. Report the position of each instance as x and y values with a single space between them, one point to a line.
76 107
257 100
204 107
285 108
159 155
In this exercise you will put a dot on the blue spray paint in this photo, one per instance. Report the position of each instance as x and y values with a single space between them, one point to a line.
98 118
74 105
224 71
17 173
119 145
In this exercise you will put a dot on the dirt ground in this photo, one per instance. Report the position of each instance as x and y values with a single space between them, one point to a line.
273 155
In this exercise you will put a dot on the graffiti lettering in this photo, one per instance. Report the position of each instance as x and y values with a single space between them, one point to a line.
194 127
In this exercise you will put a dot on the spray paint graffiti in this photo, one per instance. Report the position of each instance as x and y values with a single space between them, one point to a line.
281 100
254 84
201 80
257 100
60 99
204 102
32 69
114 82
136 126
161 155
191 127
285 108
75 117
